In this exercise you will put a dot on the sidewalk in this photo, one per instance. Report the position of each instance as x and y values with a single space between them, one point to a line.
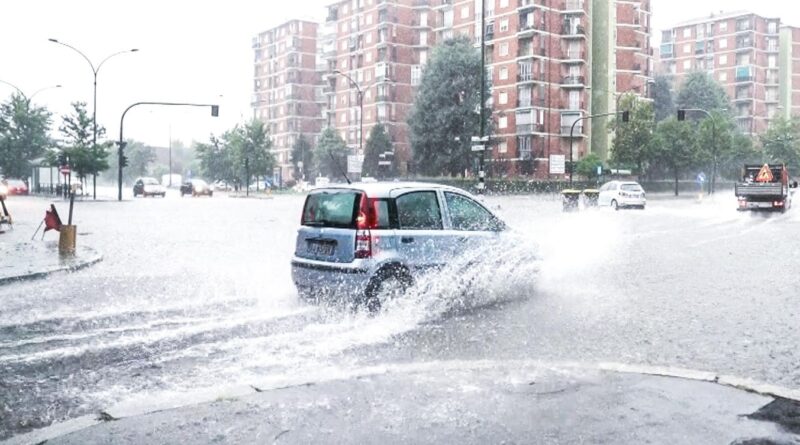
460 402
26 259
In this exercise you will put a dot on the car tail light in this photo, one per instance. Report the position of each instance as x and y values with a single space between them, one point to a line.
777 203
367 219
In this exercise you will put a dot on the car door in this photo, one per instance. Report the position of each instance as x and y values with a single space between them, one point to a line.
420 229
138 187
469 223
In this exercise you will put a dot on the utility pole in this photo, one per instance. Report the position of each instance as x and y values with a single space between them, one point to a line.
481 172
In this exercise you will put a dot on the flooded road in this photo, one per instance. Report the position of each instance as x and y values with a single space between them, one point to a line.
195 295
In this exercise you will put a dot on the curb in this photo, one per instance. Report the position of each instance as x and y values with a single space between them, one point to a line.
235 391
94 259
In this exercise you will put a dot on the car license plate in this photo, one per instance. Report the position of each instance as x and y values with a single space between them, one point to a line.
323 248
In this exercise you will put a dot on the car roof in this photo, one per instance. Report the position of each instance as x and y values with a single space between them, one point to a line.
385 189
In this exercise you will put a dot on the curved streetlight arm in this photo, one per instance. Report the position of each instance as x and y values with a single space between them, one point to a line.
360 112
112 55
353 82
19 90
572 138
77 51
43 89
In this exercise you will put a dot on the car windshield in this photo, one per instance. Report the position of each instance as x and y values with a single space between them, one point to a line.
149 181
331 208
631 187
15 183
199 183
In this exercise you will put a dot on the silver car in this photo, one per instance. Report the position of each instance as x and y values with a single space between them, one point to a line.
369 241
622 194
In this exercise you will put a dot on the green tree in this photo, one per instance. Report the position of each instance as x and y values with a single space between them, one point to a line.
444 118
720 141
302 152
23 135
631 141
663 101
781 143
331 154
216 162
587 166
674 147
140 157
251 146
377 144
85 157
699 90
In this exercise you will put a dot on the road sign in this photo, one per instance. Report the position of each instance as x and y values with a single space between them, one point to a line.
64 170
558 164
765 174
354 163
599 170
478 147
384 163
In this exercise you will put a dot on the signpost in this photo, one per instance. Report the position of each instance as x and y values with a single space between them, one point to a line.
354 163
558 164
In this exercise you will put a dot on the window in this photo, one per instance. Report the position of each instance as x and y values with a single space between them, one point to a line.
723 60
502 122
687 48
416 74
502 98
504 25
419 211
687 65
504 3
368 38
687 32
466 214
502 147
368 58
503 73
423 37
331 209
723 43
504 49
772 61
465 12
723 76
723 26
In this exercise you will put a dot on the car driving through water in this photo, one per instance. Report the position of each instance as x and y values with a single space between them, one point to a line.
370 241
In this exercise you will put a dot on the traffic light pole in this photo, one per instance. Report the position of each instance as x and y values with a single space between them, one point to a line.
681 117
121 150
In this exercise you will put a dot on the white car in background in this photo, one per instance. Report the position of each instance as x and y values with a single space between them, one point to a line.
622 194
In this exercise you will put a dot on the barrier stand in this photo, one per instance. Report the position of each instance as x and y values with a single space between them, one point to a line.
68 232
590 197
570 199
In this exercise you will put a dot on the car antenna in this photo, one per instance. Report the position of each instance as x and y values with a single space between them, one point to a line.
340 168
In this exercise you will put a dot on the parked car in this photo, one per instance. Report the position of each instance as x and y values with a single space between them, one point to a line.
622 194
222 185
15 187
370 241
196 187
148 187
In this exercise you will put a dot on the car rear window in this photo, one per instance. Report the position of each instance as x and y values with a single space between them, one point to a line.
631 187
331 208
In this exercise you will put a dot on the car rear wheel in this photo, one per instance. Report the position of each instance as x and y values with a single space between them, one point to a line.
614 204
388 284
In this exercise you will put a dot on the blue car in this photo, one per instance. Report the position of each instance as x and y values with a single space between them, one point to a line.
368 242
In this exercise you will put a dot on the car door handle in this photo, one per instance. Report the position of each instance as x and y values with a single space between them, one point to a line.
406 240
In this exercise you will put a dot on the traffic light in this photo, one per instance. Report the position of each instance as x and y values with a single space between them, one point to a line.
681 115
122 145
62 159
123 160
215 110
626 116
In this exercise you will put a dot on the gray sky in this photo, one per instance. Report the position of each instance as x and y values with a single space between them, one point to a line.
189 51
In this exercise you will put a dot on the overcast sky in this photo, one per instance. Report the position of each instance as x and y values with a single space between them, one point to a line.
190 51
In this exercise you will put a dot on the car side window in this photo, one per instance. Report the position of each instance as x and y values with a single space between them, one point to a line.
419 211
466 214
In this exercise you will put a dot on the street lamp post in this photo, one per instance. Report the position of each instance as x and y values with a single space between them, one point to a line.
27 98
360 111
95 70
572 136
681 117
121 150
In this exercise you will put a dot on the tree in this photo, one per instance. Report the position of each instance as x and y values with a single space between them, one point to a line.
216 163
302 152
664 103
699 90
331 154
781 143
139 156
23 135
587 166
631 141
674 148
250 145
377 144
444 116
85 157
715 137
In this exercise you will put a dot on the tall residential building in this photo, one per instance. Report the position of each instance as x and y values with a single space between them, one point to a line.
287 88
742 51
381 45
622 60
789 72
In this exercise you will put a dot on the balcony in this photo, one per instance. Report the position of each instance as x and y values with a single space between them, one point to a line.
525 4
333 15
667 50
574 32
530 128
573 81
574 56
573 7
578 132
743 26
744 74
526 77
744 96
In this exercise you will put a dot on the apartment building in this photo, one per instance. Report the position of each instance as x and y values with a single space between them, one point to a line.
751 56
789 72
622 60
287 88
